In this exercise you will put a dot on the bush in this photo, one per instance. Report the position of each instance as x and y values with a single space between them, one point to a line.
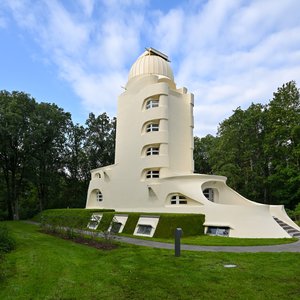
73 217
56 220
7 243
131 223
191 224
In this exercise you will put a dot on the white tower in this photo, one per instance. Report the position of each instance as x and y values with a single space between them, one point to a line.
153 170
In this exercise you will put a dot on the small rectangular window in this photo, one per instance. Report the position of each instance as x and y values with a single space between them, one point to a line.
173 202
152 151
182 202
152 127
144 229
152 174
152 103
218 231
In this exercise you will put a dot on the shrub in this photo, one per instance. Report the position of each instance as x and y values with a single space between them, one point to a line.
191 224
7 243
56 220
131 223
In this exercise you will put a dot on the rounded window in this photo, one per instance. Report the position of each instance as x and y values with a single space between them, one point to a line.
99 196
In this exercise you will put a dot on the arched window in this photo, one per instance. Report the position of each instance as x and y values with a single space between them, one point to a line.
209 194
151 103
152 174
152 127
152 151
99 196
97 175
178 199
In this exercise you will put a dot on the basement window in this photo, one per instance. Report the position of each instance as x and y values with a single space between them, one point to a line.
115 227
144 229
94 221
217 231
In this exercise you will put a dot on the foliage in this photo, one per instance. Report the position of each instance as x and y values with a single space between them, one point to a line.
190 225
7 242
258 149
78 272
131 223
45 159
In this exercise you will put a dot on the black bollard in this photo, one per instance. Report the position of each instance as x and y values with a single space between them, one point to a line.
178 233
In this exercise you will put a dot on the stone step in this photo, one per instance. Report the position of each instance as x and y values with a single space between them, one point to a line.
289 229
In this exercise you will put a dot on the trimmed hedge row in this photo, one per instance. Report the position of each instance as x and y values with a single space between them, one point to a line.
73 217
191 224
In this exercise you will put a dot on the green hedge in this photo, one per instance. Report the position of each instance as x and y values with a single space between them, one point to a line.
191 224
73 217
131 222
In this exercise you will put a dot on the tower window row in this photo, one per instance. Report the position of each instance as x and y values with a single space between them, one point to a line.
153 126
152 151
151 103
152 174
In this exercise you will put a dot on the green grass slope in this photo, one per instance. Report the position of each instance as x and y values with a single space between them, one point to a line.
46 267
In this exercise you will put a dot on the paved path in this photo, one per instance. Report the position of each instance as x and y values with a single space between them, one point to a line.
293 247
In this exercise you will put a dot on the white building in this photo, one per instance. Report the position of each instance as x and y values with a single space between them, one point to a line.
153 170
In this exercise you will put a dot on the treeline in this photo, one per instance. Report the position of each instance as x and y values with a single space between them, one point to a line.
258 149
45 159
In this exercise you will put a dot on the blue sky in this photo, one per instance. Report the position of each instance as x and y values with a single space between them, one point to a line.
77 54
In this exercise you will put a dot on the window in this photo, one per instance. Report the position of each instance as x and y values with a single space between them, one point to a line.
94 221
209 194
178 199
97 175
99 196
152 103
152 127
219 231
144 229
115 227
152 174
152 151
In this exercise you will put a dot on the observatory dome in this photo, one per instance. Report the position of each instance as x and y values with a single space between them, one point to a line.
151 62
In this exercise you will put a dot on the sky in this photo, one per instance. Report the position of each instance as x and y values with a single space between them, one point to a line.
78 53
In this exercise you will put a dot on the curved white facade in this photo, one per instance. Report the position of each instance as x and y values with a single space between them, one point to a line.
153 170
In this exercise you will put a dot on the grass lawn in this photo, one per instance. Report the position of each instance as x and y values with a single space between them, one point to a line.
204 240
46 267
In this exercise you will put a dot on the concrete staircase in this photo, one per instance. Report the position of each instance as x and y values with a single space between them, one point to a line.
289 229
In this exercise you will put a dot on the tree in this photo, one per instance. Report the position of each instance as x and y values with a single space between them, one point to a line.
283 145
16 111
49 129
100 140
203 148
77 171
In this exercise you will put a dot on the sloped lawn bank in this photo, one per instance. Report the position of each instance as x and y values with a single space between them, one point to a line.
46 267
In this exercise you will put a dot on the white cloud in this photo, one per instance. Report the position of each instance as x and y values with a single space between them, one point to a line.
228 53
88 6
